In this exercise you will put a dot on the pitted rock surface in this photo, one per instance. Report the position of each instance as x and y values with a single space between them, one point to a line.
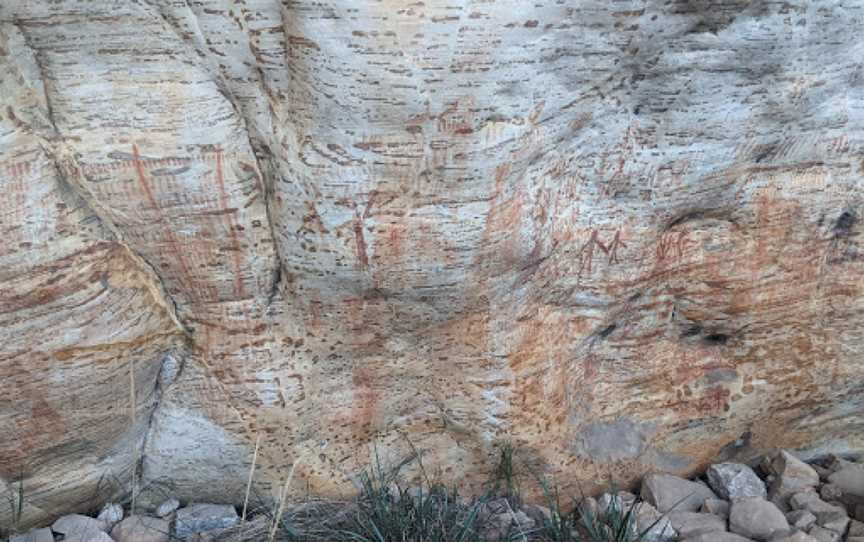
625 236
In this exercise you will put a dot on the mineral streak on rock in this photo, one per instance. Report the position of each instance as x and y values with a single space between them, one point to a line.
619 235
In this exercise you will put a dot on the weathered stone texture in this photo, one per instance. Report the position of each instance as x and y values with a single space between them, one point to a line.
624 236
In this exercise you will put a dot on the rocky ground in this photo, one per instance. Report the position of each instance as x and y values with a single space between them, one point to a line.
780 499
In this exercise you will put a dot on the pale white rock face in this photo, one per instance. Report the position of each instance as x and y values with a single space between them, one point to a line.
624 236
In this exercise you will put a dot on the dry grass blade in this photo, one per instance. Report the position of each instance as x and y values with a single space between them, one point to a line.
249 481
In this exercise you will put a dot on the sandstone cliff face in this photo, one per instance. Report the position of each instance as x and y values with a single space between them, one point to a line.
624 236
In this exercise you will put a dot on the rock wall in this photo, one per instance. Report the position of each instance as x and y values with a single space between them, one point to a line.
623 236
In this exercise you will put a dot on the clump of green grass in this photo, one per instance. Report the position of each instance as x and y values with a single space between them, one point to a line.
505 482
616 523
388 512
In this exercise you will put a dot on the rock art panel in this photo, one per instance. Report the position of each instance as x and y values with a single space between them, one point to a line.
622 237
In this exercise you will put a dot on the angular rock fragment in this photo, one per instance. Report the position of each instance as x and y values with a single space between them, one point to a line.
735 480
830 492
690 524
849 480
110 515
790 474
822 534
198 518
621 501
801 519
833 520
167 507
666 492
652 525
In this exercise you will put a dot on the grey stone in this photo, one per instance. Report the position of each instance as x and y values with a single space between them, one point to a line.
36 535
110 515
734 480
94 536
830 492
822 534
167 507
809 500
665 492
690 524
78 525
141 529
859 512
855 539
797 536
718 537
836 463
756 518
850 481
621 501
856 528
198 518
801 519
790 474
652 525
718 507
835 521
823 472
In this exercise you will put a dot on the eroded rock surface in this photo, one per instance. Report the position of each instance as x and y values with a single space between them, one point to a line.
623 236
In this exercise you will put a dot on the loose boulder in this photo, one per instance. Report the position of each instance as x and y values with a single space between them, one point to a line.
198 518
801 519
36 535
141 529
167 508
789 474
849 481
690 524
666 492
718 537
734 480
821 534
78 525
110 515
756 518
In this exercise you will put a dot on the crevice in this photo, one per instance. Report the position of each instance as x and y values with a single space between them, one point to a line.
605 332
59 152
168 374
700 214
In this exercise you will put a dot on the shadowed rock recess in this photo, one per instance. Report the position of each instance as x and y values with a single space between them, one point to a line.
622 236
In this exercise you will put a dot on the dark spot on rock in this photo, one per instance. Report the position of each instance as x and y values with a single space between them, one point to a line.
701 214
605 332
716 338
531 24
845 222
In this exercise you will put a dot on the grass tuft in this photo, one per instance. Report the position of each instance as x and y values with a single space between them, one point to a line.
388 512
